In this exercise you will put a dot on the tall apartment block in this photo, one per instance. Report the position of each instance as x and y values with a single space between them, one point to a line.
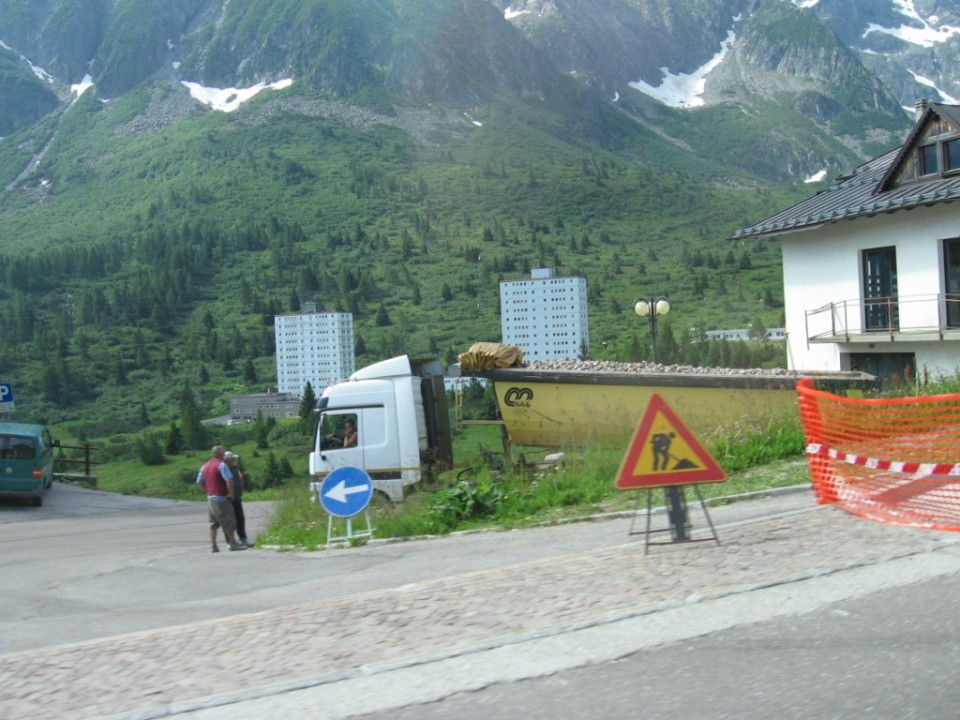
313 346
545 316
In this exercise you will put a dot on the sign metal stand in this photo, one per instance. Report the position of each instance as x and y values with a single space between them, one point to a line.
350 533
665 454
676 507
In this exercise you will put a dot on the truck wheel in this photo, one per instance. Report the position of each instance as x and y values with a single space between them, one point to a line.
38 501
381 502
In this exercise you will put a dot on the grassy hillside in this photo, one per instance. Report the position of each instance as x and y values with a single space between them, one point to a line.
147 252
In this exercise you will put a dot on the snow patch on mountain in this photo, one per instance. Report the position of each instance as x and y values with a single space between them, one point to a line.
81 87
230 99
686 89
510 13
38 71
927 82
929 33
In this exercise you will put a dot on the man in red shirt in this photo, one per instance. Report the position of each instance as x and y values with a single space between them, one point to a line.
217 481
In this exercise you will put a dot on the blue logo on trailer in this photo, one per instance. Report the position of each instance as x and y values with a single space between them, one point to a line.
346 491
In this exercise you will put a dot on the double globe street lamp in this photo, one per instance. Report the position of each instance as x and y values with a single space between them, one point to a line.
652 309
677 505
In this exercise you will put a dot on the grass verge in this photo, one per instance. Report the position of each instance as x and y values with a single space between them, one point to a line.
485 495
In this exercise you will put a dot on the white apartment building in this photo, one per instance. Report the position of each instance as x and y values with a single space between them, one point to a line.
545 316
313 346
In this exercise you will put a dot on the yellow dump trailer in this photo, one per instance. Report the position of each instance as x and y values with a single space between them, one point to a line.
573 408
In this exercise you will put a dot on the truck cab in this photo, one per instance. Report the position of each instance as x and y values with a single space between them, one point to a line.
389 419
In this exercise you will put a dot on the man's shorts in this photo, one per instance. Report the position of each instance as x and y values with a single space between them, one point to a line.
222 515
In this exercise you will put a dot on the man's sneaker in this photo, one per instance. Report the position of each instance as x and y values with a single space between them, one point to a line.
214 549
247 543
237 546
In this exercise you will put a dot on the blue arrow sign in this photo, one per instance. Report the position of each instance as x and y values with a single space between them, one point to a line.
346 491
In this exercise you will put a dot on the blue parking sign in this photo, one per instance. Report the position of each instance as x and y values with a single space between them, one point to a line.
6 396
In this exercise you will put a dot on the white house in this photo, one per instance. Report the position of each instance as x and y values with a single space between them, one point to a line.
868 285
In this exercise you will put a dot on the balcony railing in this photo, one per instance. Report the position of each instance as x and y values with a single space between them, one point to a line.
915 317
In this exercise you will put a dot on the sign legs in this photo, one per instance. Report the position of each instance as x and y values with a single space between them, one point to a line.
349 534
675 505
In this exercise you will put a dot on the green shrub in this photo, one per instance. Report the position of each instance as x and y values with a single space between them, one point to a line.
466 500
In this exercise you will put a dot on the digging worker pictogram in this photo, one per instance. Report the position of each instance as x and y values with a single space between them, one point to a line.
660 443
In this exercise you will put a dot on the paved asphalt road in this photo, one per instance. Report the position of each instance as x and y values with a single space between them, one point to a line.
113 607
889 655
92 564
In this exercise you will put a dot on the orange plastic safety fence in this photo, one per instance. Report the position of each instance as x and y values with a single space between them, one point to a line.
895 460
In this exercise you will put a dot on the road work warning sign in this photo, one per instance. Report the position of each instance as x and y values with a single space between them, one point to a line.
665 452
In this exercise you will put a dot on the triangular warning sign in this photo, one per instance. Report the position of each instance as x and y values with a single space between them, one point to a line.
665 452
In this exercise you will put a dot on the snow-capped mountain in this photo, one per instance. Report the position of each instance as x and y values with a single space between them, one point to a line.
807 73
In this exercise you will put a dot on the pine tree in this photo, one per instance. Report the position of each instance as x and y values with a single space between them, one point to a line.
273 476
383 319
307 405
260 431
194 433
174 442
249 372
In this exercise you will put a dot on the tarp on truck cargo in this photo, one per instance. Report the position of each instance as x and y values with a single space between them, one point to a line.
488 355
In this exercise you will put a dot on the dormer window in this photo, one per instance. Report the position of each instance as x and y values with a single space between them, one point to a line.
928 159
951 155
933 151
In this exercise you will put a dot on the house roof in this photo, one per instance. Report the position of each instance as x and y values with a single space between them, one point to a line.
869 190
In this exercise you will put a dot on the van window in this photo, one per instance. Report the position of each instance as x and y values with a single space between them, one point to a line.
17 447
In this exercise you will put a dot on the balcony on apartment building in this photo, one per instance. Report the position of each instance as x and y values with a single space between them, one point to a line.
924 318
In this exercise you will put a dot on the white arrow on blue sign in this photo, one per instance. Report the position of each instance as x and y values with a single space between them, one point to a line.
346 491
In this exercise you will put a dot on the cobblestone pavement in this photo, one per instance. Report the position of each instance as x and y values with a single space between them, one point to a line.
163 672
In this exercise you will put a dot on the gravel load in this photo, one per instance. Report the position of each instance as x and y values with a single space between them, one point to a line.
648 368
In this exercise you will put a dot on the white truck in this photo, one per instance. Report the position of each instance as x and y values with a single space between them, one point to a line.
398 409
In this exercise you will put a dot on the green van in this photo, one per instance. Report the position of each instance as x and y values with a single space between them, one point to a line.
26 461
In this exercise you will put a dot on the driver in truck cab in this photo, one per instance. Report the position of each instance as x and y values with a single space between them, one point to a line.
350 433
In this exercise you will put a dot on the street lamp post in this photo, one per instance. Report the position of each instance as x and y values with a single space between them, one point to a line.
652 309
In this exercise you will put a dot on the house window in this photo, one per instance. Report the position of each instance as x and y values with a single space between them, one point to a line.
951 281
880 290
951 155
929 161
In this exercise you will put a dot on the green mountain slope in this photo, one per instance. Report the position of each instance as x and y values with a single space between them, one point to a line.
162 256
426 150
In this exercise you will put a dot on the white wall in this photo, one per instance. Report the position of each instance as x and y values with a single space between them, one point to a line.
823 266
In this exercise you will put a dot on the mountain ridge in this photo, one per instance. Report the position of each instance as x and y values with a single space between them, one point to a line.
209 164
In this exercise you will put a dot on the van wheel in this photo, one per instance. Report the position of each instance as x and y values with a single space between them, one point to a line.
38 501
